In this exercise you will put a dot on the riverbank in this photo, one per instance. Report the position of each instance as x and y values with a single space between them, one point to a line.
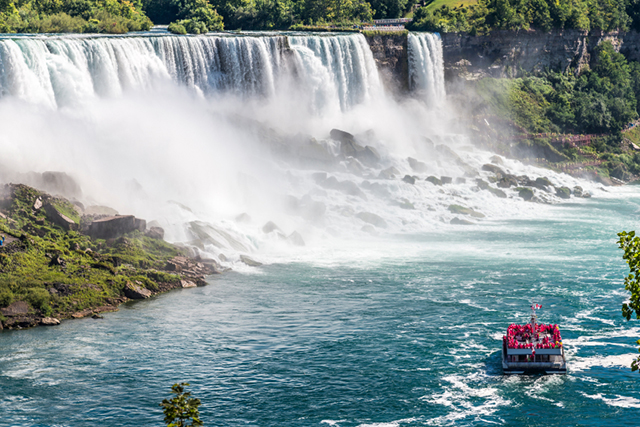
59 261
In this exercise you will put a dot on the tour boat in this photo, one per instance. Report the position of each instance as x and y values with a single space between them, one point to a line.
533 348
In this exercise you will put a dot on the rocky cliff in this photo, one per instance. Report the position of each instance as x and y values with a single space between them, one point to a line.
390 54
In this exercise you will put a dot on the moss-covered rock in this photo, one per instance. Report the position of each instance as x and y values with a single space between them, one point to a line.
457 209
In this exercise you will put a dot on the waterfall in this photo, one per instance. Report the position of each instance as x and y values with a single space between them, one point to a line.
426 66
62 71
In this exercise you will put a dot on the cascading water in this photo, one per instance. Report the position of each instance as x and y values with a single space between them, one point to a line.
426 67
249 134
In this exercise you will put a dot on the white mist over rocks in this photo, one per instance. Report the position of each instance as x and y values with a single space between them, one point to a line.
216 136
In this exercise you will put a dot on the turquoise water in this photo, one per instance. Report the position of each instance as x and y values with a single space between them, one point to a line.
400 332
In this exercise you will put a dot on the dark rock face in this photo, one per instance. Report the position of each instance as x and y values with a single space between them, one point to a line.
115 226
155 233
577 191
390 54
434 180
250 261
526 193
457 209
563 192
460 221
446 179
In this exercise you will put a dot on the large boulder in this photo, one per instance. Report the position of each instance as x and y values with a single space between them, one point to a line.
155 233
434 180
457 209
115 226
578 191
542 183
493 169
295 239
389 173
563 192
49 321
508 181
136 291
417 165
525 193
342 136
250 261
59 219
409 179
460 221
18 308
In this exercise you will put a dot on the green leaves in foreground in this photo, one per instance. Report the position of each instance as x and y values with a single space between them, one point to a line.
630 243
182 410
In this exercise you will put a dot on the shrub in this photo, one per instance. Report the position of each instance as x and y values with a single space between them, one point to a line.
6 298
38 298
177 28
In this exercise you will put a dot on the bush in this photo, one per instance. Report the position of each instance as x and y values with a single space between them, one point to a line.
38 298
177 28
6 298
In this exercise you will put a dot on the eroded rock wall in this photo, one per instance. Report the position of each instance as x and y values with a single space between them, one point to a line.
390 54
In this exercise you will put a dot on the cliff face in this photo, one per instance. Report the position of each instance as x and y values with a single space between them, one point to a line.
513 53
500 54
390 53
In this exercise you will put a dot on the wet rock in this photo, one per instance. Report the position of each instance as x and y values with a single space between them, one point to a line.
434 180
446 179
369 156
524 181
342 136
315 151
372 219
38 204
355 167
136 291
497 160
577 191
563 192
497 192
525 193
295 239
370 229
542 183
404 204
250 261
493 169
389 173
460 221
409 179
100 210
59 219
461 180
507 181
319 177
483 185
187 284
417 165
457 209
115 226
269 227
49 321
604 180
15 309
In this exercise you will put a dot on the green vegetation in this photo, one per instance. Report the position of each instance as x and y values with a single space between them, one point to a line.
181 410
72 16
630 243
487 15
59 273
601 101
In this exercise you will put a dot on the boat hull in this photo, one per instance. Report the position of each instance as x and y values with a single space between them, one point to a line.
556 365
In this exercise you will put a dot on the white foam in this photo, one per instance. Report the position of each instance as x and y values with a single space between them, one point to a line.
617 401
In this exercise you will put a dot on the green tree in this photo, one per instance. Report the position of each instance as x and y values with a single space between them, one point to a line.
630 243
182 410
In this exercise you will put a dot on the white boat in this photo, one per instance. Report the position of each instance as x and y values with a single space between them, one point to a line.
533 348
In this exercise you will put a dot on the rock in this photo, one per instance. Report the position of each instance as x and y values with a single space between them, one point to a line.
38 204
97 316
311 210
355 167
459 221
59 219
542 183
577 191
115 226
319 177
18 308
315 151
563 192
497 192
295 239
434 180
524 181
342 136
389 173
369 156
350 188
155 233
188 284
404 204
493 169
243 218
135 291
497 160
416 165
372 219
446 179
461 180
525 193
457 209
604 180
350 149
483 185
49 321
409 179
59 183
249 261
269 227
508 181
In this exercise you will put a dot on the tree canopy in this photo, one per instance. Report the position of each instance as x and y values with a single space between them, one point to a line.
630 243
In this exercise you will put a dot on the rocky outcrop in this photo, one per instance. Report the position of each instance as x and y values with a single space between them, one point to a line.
390 54
136 291
115 226
59 219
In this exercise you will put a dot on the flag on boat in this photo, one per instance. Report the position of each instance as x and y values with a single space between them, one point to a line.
536 307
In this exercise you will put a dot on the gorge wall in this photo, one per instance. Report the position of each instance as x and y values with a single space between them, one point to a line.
502 53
